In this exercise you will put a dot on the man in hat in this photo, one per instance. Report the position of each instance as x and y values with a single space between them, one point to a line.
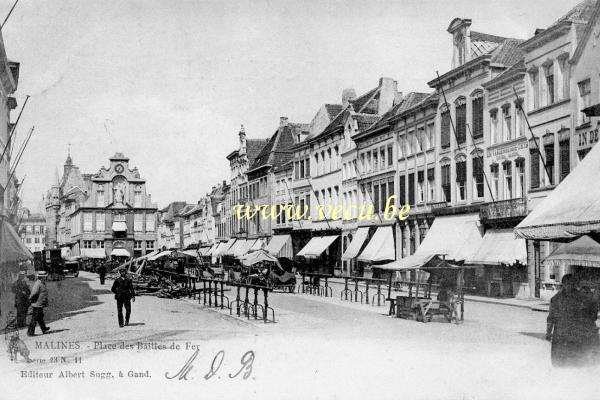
39 300
102 272
124 294
22 292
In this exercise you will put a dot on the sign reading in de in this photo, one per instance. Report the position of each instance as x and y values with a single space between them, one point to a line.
588 138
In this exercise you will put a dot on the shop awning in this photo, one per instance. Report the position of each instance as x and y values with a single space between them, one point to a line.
499 246
162 254
223 248
12 248
203 250
212 249
584 251
316 246
239 244
191 253
244 247
572 209
120 253
93 253
119 226
357 242
456 236
259 256
259 244
281 246
380 247
418 261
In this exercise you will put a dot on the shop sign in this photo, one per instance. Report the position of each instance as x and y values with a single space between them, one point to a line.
588 138
510 150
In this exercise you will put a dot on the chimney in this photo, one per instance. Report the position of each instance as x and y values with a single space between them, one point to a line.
388 90
347 95
283 121
242 135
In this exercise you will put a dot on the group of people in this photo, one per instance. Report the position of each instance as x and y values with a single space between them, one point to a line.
31 301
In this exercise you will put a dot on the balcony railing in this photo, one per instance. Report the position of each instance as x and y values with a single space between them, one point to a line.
504 209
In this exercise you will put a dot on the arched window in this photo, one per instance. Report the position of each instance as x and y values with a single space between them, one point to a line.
461 120
477 114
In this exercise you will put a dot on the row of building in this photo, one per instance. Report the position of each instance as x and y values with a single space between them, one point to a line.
496 134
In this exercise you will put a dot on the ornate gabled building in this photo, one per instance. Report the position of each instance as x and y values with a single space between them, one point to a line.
104 214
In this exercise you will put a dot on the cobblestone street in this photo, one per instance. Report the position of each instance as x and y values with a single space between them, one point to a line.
332 347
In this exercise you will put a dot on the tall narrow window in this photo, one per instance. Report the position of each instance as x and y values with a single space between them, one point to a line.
506 122
446 183
461 179
137 196
390 155
100 196
494 126
494 172
100 222
87 221
549 72
431 183
138 222
150 223
411 189
461 121
402 190
507 171
535 168
585 96
382 158
564 72
549 150
565 159
445 128
519 120
383 197
535 89
520 167
430 136
307 167
421 186
375 160
477 118
478 177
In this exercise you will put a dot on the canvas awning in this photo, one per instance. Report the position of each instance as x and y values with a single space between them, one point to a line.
12 248
572 209
203 250
93 253
584 251
357 242
244 248
499 246
281 246
259 244
119 226
239 244
162 254
191 253
380 247
148 255
316 246
259 256
212 249
592 111
223 248
456 236
120 253
418 261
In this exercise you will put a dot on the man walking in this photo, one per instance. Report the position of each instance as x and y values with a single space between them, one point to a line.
22 292
124 294
102 272
39 300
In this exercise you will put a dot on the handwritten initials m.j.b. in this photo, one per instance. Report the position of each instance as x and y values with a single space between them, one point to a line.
187 367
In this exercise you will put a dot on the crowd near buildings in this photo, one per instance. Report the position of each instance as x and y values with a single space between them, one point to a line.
472 156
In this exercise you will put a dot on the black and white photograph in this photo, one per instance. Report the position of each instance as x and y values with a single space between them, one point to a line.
310 199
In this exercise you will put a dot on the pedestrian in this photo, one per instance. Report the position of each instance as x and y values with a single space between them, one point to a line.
571 326
102 273
39 300
124 294
22 292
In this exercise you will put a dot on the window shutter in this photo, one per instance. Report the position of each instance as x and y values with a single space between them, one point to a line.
421 176
445 128
478 117
565 163
461 119
411 189
535 168
307 163
431 174
402 190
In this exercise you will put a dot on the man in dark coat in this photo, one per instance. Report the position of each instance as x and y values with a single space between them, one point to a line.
39 300
124 294
571 326
22 292
102 272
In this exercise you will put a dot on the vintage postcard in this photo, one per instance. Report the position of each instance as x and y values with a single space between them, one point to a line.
299 199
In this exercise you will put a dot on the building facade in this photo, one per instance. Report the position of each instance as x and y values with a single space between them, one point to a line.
32 230
105 214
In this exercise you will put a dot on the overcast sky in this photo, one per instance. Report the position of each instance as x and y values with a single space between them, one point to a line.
168 82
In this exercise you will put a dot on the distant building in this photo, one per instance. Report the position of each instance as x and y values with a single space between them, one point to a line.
32 229
104 214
